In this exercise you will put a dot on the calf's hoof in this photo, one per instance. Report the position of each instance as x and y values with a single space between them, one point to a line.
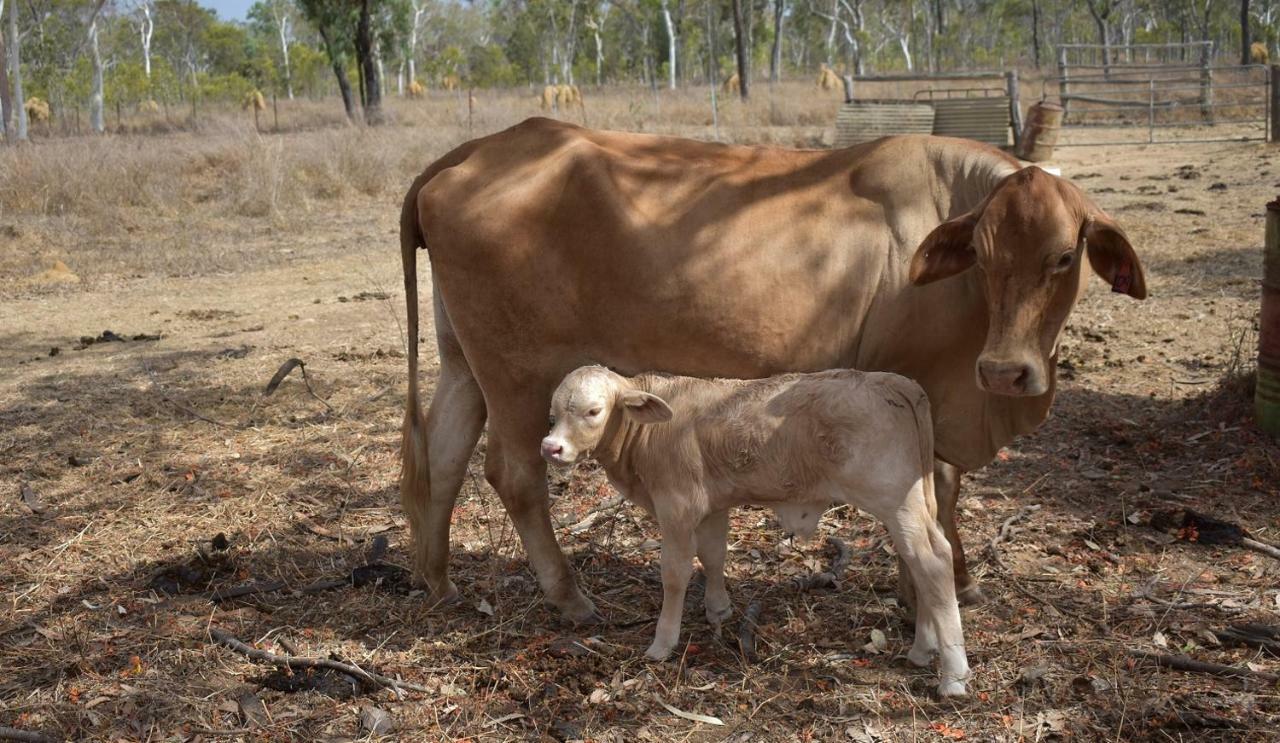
920 657
716 616
951 689
971 595
658 652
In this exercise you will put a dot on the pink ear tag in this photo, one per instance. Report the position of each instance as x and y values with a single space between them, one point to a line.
1123 278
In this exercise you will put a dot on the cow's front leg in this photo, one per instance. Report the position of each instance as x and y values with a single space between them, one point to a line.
713 541
946 485
677 568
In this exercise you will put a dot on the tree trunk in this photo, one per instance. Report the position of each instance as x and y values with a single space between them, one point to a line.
775 57
6 99
96 118
1104 35
340 72
145 30
1246 39
671 43
740 42
1035 32
366 60
283 25
15 71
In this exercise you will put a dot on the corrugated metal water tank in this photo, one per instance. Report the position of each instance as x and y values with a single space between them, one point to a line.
863 121
983 119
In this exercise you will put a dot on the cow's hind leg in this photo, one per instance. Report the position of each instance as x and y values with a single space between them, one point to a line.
713 538
515 469
435 453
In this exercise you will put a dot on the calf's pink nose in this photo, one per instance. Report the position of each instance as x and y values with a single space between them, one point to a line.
551 449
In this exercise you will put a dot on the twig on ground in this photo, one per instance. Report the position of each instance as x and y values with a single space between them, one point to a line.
595 514
1261 547
747 631
283 372
31 736
1191 665
1006 528
226 639
273 586
1252 634
830 578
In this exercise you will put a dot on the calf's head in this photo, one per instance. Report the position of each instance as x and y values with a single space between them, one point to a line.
1029 239
590 403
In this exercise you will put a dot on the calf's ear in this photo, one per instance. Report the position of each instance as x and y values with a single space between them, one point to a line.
644 407
947 250
1112 257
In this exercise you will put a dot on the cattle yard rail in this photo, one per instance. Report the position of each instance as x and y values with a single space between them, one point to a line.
981 111
1169 92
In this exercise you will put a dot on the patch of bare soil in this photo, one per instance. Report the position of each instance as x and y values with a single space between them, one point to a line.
152 492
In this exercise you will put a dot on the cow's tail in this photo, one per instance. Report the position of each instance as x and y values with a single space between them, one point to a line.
415 474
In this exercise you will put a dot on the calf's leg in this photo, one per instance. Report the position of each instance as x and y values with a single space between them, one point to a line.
923 546
515 469
677 568
713 541
946 479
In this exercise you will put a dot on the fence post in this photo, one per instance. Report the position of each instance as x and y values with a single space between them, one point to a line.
1151 111
1206 82
1015 106
848 88
1274 78
1064 84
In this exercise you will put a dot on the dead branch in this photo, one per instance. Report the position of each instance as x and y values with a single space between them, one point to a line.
1261 547
1191 665
830 578
295 663
24 735
747 631
283 372
1254 635
595 514
1006 528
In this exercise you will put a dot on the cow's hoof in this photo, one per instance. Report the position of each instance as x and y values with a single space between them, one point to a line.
971 595
445 597
658 652
579 611
951 689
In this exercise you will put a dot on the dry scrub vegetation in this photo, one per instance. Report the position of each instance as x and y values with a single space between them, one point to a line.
143 478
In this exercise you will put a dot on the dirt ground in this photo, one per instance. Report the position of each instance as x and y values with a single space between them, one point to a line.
141 475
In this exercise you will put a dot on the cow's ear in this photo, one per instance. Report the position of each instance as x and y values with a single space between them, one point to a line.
1112 257
644 407
947 250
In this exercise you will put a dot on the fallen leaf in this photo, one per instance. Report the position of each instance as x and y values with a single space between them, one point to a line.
1160 640
879 643
694 716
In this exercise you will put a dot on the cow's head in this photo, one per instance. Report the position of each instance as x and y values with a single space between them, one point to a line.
1027 238
590 402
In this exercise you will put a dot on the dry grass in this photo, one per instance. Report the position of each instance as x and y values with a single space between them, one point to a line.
244 250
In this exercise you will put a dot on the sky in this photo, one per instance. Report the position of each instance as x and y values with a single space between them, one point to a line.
229 10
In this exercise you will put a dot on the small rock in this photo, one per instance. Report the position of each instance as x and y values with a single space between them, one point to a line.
374 721
1218 187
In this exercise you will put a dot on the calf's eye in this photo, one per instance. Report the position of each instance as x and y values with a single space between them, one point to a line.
551 421
593 412
1065 261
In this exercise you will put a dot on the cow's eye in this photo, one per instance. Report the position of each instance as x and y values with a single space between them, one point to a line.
593 412
1065 261
551 421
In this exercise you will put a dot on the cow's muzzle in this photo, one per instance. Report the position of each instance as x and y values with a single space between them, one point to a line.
1012 377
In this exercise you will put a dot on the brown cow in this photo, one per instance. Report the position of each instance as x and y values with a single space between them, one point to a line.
688 450
552 246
